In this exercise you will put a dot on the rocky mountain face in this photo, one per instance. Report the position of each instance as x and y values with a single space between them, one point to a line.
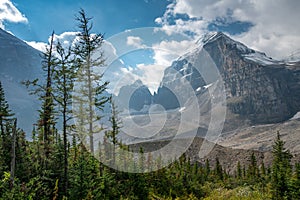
263 90
134 97
19 61
258 88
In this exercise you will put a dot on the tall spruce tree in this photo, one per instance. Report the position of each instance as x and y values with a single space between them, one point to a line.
63 81
253 169
6 131
111 135
89 58
44 90
239 170
281 169
219 169
5 112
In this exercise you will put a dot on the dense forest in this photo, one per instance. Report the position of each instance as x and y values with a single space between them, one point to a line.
55 164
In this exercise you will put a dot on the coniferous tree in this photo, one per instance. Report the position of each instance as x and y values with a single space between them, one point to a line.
281 169
5 131
295 184
239 170
263 169
44 89
63 81
207 169
44 158
252 169
47 113
22 157
218 169
112 134
5 112
89 58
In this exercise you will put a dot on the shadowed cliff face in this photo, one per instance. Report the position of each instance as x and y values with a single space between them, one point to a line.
19 62
258 88
263 90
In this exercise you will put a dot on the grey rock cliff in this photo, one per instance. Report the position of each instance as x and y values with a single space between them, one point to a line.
258 88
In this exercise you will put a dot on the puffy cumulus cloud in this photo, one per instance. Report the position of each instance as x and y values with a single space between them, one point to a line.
119 77
275 27
135 41
66 39
41 46
107 50
109 53
166 52
9 12
151 75
209 10
197 27
70 38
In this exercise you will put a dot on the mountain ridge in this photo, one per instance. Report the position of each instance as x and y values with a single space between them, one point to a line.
19 62
257 92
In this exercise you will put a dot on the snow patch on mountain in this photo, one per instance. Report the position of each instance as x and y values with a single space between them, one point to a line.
260 58
294 57
207 86
181 109
208 37
296 116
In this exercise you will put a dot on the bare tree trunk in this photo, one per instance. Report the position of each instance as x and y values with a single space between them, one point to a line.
90 101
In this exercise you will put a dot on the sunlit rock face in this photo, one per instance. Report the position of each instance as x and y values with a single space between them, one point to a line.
258 88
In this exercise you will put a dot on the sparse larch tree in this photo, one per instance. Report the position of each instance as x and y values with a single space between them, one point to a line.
90 85
63 81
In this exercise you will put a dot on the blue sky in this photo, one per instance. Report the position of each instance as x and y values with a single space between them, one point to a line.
258 24
109 16
270 26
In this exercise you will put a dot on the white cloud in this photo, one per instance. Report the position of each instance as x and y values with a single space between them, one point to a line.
151 75
41 46
166 52
67 39
109 52
135 41
8 12
276 30
275 22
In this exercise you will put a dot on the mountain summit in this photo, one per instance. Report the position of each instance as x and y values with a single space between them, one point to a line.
258 88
